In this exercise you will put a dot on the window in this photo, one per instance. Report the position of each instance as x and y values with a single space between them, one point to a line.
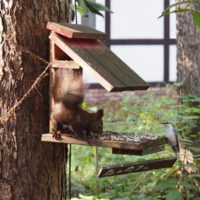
145 43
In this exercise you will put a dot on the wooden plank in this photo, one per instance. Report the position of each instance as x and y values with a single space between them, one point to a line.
129 80
84 51
97 53
75 31
136 167
120 144
64 64
145 151
91 142
117 67
94 56
125 72
51 81
153 149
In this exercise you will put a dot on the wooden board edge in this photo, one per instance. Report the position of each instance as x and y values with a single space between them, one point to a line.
161 141
64 64
102 143
146 165
52 26
145 151
71 33
88 36
150 150
129 88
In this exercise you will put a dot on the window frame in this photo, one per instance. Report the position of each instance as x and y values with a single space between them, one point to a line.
166 42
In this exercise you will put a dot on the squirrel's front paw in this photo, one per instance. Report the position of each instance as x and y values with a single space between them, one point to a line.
57 135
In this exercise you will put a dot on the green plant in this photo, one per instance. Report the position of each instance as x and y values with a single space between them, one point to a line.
143 115
86 6
195 13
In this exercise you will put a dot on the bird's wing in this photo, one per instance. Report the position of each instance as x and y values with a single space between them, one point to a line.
177 140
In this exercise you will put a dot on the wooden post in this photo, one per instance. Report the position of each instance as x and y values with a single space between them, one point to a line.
51 81
58 59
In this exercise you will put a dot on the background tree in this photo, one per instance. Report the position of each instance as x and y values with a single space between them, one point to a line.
29 169
188 50
188 32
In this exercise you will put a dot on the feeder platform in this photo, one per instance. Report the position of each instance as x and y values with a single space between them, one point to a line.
121 143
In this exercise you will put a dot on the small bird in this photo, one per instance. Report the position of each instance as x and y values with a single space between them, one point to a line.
172 137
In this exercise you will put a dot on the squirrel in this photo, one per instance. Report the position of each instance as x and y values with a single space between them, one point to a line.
67 114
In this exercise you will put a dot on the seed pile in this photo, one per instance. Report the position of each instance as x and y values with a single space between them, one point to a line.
124 136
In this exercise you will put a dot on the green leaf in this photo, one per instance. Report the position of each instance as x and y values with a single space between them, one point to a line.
82 4
167 184
190 165
92 8
196 18
181 10
176 11
182 2
178 84
82 11
188 185
85 105
174 194
195 175
99 6
166 11
195 149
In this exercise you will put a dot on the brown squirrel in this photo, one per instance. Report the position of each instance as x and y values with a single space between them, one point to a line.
67 114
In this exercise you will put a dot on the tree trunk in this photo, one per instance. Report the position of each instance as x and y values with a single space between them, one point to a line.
29 169
188 47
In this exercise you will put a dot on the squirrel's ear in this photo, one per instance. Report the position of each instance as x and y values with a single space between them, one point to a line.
100 113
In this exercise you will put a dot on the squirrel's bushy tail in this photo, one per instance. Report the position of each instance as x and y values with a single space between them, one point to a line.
68 87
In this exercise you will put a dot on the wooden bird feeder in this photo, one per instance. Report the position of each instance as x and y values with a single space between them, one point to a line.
75 46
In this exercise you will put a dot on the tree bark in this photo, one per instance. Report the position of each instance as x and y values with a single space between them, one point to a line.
29 169
188 52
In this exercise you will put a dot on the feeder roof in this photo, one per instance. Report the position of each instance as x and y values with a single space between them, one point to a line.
108 69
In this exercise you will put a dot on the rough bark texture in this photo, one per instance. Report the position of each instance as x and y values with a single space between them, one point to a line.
29 169
188 46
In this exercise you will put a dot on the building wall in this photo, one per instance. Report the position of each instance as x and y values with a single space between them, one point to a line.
101 96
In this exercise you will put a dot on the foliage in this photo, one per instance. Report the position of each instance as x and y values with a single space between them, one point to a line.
195 14
143 115
86 6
